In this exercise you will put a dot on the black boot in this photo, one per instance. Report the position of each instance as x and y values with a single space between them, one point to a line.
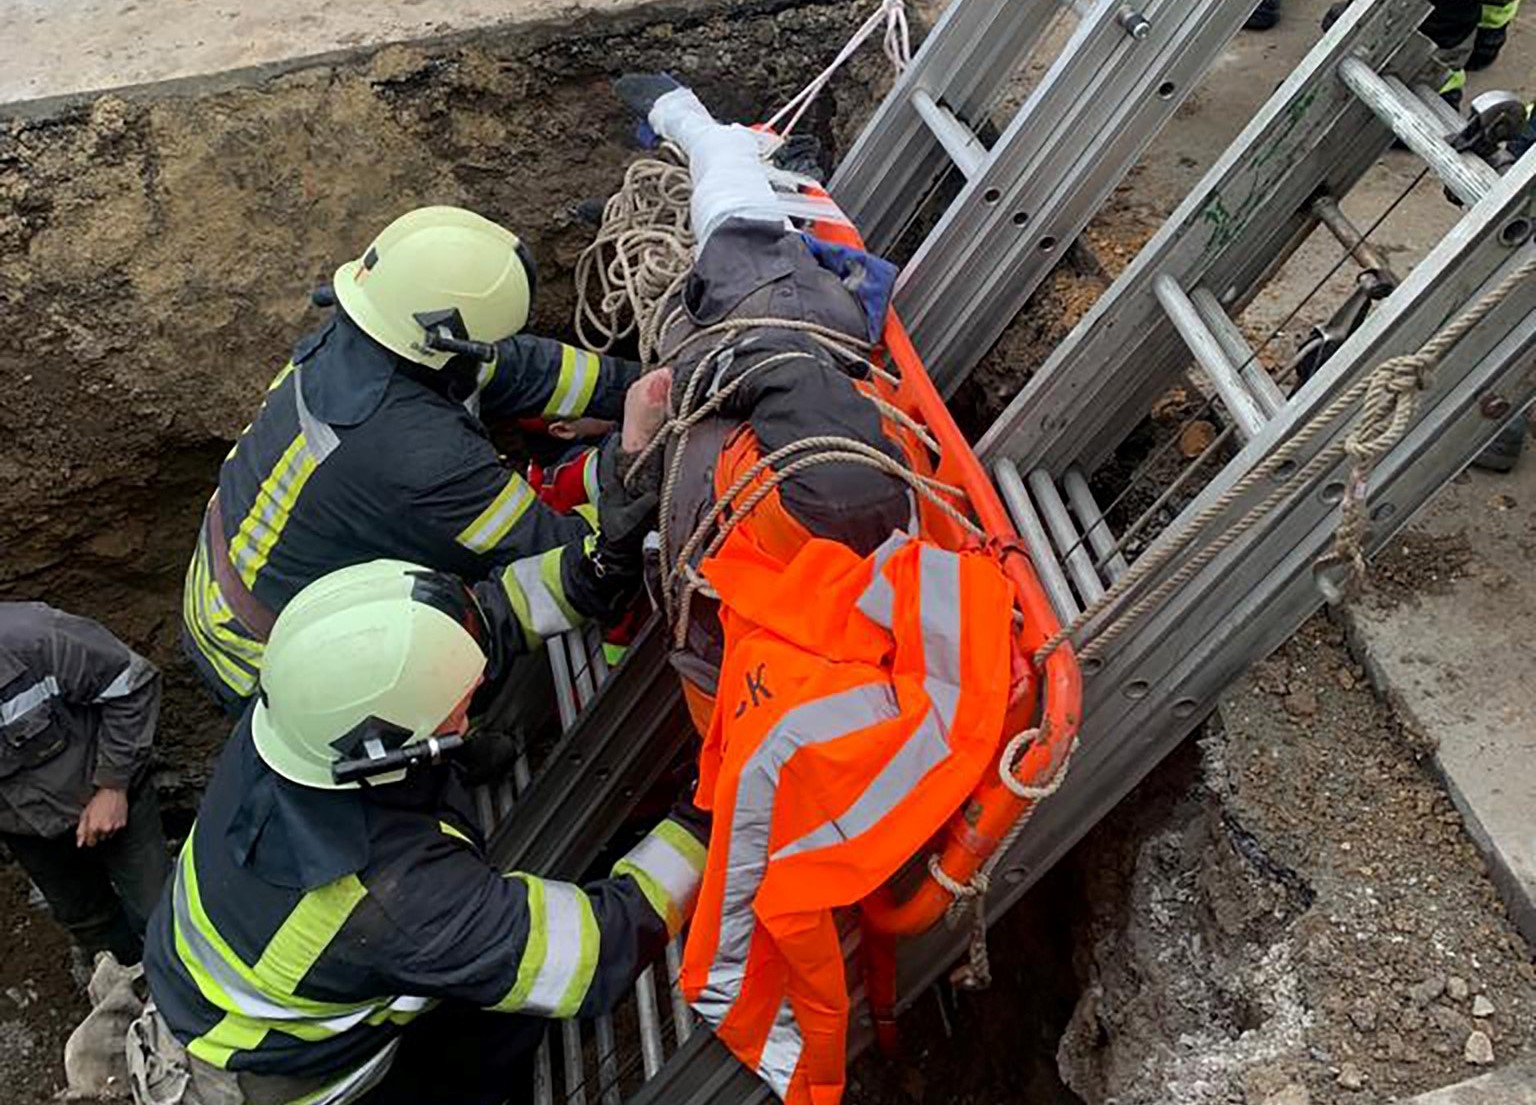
1503 452
1265 16
641 90
1486 47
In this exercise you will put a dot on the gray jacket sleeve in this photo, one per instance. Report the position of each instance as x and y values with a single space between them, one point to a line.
94 668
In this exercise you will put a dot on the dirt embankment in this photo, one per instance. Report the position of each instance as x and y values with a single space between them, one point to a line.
157 248
1307 921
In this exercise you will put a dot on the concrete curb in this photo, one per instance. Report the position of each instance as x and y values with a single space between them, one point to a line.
1517 894
1514 1084
1453 659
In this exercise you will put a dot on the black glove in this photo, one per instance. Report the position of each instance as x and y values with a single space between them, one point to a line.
626 509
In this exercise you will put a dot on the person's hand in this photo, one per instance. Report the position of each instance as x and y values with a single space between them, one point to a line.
104 814
645 409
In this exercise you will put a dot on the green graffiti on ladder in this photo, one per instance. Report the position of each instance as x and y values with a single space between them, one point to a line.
1269 165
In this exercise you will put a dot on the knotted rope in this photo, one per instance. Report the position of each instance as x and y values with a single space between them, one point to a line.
971 896
1387 399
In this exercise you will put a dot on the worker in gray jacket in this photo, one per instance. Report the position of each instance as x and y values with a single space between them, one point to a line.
77 718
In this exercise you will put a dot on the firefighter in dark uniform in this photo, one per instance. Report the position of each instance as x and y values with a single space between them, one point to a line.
77 719
334 932
370 442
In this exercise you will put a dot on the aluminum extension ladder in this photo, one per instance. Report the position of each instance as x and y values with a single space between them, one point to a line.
1326 125
1119 78
1368 80
1127 67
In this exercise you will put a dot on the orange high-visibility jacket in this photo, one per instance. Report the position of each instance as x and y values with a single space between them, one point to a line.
860 700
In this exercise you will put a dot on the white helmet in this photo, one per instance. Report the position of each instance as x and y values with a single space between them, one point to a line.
361 663
438 269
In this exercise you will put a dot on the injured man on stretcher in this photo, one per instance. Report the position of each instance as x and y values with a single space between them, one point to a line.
768 332
850 678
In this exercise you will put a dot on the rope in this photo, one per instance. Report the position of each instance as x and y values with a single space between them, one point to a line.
1387 397
896 42
1391 401
642 252
971 897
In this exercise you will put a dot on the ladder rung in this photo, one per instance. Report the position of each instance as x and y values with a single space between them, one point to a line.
1239 352
682 1018
1422 130
1069 545
651 1051
959 141
607 1061
1047 567
1100 539
564 678
1212 357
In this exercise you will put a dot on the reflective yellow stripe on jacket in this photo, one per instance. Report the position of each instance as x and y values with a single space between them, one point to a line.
263 523
234 657
579 371
259 998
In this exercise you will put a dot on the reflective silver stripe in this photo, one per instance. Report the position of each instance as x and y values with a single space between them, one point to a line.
248 1002
319 438
589 476
924 750
574 386
674 872
928 745
562 953
486 531
878 601
250 555
543 611
360 1081
408 1003
28 700
781 1051
939 612
483 380
138 672
812 723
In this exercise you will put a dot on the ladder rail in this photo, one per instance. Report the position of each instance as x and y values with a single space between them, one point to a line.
963 63
1230 234
1075 137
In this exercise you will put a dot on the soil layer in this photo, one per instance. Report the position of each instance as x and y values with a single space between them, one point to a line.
157 250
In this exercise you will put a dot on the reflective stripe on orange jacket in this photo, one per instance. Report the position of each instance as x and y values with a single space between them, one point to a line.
860 700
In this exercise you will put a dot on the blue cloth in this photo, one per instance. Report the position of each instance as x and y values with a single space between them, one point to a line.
870 278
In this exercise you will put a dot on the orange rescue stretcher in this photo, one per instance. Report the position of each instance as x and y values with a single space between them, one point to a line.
1051 702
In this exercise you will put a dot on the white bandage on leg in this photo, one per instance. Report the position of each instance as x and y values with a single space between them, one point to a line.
730 178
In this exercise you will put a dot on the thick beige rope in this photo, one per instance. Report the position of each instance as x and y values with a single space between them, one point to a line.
642 251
